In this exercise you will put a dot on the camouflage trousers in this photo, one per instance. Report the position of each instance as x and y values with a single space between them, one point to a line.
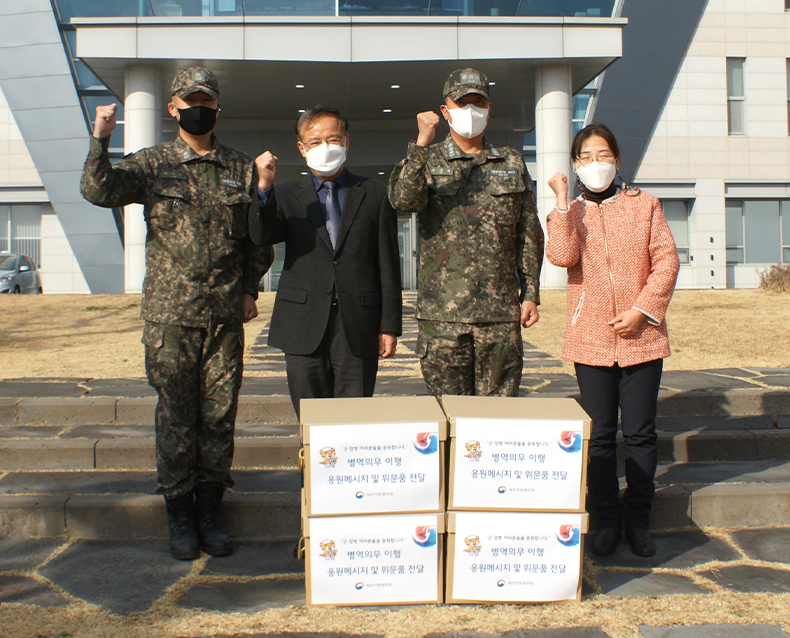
483 359
197 374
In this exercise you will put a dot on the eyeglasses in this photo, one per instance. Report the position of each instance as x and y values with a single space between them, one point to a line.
585 159
313 142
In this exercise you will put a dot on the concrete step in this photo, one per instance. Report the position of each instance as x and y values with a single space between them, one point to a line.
264 504
131 447
732 494
256 410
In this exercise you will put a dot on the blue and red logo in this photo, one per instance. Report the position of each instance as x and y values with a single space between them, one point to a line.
426 443
571 441
425 535
569 535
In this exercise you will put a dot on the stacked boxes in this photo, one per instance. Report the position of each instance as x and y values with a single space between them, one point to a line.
373 505
516 499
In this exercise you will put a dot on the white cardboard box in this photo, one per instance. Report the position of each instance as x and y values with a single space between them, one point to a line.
374 560
373 455
517 454
514 557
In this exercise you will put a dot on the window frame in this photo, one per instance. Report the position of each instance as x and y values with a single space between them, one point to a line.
733 99
686 248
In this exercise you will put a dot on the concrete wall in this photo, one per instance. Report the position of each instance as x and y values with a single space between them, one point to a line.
691 141
16 165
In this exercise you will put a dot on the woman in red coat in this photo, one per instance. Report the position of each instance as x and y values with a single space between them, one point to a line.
622 265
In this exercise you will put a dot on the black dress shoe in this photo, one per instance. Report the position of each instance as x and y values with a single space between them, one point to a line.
642 544
605 541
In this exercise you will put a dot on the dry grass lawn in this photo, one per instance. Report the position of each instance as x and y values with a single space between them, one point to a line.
707 329
98 336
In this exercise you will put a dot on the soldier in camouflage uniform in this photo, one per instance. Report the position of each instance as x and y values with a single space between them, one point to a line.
201 284
481 246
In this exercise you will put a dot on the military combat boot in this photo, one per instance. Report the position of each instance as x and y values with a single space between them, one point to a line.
184 543
214 541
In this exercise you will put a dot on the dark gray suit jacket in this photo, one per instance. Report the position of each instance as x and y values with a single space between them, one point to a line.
365 267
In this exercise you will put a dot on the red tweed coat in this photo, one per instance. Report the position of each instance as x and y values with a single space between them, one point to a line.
619 255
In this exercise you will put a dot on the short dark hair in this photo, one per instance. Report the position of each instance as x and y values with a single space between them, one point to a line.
311 115
601 130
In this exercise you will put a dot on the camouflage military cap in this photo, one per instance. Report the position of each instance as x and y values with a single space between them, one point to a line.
464 81
194 79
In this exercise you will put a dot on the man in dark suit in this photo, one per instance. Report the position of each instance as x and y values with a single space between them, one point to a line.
338 304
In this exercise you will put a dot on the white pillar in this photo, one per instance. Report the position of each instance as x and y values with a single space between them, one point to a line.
141 123
553 87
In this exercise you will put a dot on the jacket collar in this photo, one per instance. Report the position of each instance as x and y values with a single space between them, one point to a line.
451 151
185 153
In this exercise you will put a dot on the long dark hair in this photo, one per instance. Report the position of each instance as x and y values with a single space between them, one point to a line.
601 130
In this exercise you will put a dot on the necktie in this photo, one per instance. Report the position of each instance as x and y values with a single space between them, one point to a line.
332 212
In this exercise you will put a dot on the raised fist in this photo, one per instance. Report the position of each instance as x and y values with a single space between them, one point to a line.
559 184
266 165
105 120
427 121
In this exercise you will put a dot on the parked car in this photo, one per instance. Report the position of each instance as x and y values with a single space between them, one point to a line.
19 275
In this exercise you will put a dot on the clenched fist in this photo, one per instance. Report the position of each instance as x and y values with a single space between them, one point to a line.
266 165
105 120
427 121
559 184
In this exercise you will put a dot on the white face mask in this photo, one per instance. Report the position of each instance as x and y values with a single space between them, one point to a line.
469 121
326 159
597 176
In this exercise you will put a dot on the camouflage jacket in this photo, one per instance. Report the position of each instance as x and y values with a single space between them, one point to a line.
481 244
199 258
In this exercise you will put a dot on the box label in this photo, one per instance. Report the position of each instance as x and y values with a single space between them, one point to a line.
518 464
362 469
519 557
369 560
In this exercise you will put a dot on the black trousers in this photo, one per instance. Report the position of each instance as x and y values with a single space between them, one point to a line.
333 370
634 389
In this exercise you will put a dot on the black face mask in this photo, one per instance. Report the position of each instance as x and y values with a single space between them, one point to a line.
197 120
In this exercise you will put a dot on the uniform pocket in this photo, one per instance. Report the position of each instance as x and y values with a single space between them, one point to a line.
169 192
153 335
238 205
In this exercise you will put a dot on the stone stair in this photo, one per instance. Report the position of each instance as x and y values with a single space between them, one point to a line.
725 462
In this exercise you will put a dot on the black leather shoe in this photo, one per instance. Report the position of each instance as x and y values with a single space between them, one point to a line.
605 541
642 544
184 543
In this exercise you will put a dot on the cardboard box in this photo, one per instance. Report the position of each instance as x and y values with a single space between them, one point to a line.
373 455
517 454
374 560
514 557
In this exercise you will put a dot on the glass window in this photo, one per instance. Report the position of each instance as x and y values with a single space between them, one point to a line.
290 7
101 8
736 99
580 104
677 215
734 231
785 213
530 148
761 231
5 216
26 230
7 262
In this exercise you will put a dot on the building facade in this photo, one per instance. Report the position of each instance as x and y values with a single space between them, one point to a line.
697 92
